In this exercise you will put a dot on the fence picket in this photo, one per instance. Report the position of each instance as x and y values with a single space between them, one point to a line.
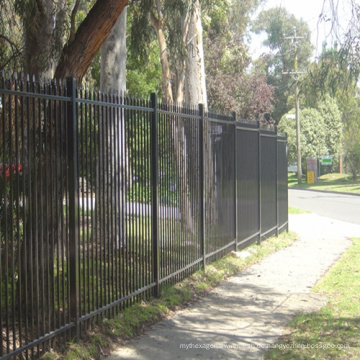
190 187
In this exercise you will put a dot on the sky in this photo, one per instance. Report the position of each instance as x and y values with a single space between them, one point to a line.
309 11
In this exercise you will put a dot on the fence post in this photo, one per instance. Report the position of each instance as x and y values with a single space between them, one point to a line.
154 166
73 205
259 164
235 183
287 195
277 182
201 183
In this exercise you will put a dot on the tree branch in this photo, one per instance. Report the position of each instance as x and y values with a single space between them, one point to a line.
12 44
72 21
78 53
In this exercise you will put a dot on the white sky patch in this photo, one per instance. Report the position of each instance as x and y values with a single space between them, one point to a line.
309 11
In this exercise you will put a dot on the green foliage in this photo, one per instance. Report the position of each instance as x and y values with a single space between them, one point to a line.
352 148
11 46
144 78
141 34
230 87
327 87
331 114
313 134
278 26
327 76
321 130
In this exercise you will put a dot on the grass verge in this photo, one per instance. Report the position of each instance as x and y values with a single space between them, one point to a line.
329 182
137 318
332 332
293 210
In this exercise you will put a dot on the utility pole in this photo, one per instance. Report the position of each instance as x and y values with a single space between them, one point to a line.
295 75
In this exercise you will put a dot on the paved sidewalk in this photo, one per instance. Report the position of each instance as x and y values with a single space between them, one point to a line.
245 314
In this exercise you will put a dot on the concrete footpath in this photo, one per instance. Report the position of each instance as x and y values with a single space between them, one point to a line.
247 313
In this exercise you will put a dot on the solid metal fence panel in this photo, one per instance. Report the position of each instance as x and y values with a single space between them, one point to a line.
282 176
268 182
248 186
219 186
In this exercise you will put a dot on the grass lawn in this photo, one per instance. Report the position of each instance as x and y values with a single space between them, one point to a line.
331 182
333 332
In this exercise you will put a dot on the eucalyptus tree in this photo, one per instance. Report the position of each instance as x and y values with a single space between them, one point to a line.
313 134
328 86
178 30
11 44
112 148
284 50
351 144
347 35
332 117
55 41
231 86
59 38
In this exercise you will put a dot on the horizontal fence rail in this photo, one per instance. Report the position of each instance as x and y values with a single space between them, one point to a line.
104 199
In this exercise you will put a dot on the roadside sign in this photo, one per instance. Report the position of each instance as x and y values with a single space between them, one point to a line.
312 170
326 160
310 177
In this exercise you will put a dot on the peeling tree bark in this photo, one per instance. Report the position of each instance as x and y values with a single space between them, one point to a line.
157 24
195 85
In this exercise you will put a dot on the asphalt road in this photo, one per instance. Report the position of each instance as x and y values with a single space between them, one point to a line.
336 206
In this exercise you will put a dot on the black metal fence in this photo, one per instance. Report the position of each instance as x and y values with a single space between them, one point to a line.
103 199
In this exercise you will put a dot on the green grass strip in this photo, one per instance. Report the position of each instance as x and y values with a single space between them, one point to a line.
138 317
333 332
329 182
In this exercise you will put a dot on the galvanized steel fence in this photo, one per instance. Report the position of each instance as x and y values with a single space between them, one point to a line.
104 198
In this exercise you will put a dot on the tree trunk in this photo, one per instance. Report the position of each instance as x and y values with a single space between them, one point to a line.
44 162
157 24
43 32
177 128
43 214
78 53
113 162
195 93
195 86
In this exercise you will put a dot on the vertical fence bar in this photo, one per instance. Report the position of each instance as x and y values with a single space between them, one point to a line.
259 165
286 184
73 206
201 184
235 183
277 182
154 151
